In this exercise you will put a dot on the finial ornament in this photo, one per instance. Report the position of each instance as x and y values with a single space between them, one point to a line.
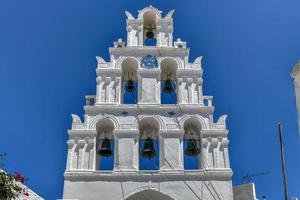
129 15
170 13
222 121
198 60
76 119
100 60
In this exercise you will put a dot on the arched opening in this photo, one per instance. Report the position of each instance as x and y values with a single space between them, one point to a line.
105 145
149 144
192 144
149 28
149 195
168 81
129 81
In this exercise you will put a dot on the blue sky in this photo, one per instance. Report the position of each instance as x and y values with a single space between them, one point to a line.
47 65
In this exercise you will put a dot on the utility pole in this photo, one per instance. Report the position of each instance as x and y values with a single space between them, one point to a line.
283 169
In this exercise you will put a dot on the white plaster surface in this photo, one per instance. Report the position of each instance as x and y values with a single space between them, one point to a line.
211 181
244 192
296 75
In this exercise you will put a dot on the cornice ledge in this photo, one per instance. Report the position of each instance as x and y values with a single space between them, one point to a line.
149 71
214 133
189 71
82 132
118 108
115 71
197 175
169 133
126 133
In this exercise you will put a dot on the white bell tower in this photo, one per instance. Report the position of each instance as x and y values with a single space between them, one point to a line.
148 133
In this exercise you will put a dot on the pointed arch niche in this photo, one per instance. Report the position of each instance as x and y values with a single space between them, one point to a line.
149 140
168 81
192 144
105 140
129 91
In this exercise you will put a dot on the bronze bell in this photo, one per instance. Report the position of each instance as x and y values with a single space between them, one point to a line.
148 149
130 85
192 148
105 149
168 86
149 33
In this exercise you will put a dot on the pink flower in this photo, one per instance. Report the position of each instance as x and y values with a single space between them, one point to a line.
19 177
26 193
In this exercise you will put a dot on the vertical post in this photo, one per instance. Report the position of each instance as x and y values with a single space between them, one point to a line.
283 169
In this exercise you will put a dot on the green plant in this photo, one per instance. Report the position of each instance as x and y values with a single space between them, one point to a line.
11 184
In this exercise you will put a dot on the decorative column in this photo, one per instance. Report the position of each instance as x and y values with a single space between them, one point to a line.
98 92
101 89
215 151
183 90
71 149
134 32
190 90
209 155
86 155
171 157
180 90
107 89
164 29
118 87
224 145
81 148
74 157
126 150
200 92
204 153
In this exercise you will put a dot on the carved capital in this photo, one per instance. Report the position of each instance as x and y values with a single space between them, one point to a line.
190 81
225 142
129 28
200 81
179 80
204 142
70 143
214 142
98 79
81 143
107 79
